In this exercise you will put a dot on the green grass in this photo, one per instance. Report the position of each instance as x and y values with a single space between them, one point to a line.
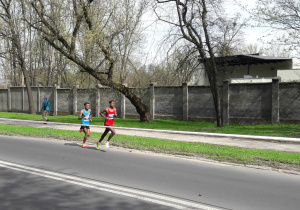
283 130
286 160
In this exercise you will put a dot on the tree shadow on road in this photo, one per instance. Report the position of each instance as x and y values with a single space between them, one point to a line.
79 145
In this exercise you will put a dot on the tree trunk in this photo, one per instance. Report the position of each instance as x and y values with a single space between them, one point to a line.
29 91
141 108
16 42
69 52
51 63
212 76
14 65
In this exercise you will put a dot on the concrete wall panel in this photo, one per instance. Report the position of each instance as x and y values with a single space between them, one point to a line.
201 104
3 99
143 94
16 98
289 101
168 101
250 101
65 101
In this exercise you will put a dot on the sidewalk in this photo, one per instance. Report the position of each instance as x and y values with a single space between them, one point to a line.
244 141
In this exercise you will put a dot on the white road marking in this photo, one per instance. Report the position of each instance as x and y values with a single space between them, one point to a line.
102 186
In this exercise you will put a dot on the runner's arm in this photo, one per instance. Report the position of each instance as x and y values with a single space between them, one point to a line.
80 115
103 113
91 118
116 113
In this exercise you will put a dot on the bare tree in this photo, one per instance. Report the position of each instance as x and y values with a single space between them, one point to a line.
64 27
14 35
129 40
283 17
198 22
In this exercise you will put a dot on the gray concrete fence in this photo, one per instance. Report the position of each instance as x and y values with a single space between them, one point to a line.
262 103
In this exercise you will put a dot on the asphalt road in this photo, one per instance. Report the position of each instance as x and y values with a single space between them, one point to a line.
226 186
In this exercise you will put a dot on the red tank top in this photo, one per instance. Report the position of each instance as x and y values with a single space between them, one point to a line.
110 115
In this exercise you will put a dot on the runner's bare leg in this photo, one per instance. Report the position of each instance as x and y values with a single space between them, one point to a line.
104 134
87 134
113 132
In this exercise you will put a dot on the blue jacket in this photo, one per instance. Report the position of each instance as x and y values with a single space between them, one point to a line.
46 104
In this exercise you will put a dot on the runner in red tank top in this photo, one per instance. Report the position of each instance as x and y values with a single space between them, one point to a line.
109 114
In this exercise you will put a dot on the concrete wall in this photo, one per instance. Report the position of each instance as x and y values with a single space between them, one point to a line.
248 101
168 102
3 100
17 99
289 75
64 101
289 94
273 102
201 104
130 110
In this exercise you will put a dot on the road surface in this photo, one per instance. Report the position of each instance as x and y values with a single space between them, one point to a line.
50 174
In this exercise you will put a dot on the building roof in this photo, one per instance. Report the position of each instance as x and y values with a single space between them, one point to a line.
252 59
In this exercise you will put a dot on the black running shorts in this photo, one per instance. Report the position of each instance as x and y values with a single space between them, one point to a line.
87 127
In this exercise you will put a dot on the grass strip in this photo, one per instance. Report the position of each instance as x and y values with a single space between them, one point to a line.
281 130
275 159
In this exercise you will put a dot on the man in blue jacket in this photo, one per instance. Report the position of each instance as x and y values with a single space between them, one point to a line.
45 109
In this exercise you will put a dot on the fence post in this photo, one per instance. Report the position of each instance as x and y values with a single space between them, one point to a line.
23 99
123 104
38 98
75 98
275 119
8 99
226 102
55 101
185 102
98 100
152 99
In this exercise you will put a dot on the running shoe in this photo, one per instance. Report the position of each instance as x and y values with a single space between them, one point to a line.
84 146
80 130
98 145
107 144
